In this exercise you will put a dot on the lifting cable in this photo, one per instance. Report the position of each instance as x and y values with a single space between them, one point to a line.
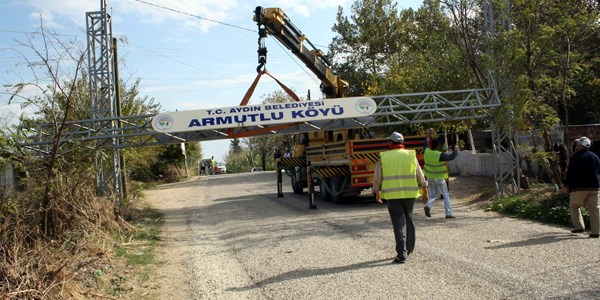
246 99
262 70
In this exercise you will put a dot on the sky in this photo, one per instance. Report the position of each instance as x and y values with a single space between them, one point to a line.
187 54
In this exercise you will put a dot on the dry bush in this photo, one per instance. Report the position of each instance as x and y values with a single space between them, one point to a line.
173 173
63 264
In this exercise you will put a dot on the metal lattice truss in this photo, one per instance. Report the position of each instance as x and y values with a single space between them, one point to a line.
401 109
100 62
506 158
103 97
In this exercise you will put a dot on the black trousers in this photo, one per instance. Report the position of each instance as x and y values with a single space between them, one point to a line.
401 213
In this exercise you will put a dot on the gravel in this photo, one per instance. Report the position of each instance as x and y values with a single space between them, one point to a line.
230 237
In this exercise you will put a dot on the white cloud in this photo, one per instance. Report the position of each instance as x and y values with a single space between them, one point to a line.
9 114
304 7
47 19
178 11
72 9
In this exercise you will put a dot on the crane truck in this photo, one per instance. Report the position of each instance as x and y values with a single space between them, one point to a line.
342 161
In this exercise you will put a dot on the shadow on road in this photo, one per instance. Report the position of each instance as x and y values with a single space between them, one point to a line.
539 240
303 273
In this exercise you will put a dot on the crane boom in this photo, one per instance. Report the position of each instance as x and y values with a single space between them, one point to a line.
274 22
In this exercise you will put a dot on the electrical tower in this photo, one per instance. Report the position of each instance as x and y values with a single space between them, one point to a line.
506 158
104 100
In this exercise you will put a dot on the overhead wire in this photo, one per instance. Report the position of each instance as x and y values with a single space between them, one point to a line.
182 62
164 7
194 16
303 68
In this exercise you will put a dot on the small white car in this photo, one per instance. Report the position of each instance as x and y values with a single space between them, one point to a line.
220 168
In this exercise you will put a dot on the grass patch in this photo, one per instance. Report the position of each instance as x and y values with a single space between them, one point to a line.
136 249
538 204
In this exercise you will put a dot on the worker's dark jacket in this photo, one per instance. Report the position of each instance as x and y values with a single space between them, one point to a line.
583 172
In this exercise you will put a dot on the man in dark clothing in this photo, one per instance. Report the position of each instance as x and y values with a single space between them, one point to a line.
583 184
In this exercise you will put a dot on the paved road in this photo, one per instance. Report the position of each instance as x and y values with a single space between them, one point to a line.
230 237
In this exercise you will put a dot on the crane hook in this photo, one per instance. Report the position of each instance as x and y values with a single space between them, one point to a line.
261 68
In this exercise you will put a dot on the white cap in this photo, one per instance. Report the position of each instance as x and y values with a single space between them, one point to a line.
397 138
584 141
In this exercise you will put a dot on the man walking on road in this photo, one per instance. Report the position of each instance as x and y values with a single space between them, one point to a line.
397 179
583 184
436 173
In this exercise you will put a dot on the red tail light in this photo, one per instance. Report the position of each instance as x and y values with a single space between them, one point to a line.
360 168
359 180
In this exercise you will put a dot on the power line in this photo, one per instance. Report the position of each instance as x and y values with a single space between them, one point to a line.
15 31
198 17
181 62
37 32
195 16
222 23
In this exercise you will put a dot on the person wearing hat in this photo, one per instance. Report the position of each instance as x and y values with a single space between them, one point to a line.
399 180
436 172
582 182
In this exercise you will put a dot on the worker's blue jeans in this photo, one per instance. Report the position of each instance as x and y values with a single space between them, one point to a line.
436 186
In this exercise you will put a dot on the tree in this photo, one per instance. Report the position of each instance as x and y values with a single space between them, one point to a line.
138 161
57 204
429 60
234 146
241 162
542 60
56 67
364 44
264 146
468 34
259 149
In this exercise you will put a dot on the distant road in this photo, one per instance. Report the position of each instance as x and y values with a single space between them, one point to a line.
230 237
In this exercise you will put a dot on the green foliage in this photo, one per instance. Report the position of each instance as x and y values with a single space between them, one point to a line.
169 164
193 155
137 247
147 222
242 162
546 58
365 43
553 208
56 218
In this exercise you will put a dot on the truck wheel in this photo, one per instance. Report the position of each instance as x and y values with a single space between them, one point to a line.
296 185
325 195
335 185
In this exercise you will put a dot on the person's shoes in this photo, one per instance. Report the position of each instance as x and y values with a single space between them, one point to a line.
399 260
450 217
408 253
576 230
594 235
427 211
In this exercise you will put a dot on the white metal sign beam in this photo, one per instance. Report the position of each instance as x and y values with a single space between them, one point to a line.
264 114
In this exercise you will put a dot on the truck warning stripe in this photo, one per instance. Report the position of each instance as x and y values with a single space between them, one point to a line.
364 158
332 171
289 162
